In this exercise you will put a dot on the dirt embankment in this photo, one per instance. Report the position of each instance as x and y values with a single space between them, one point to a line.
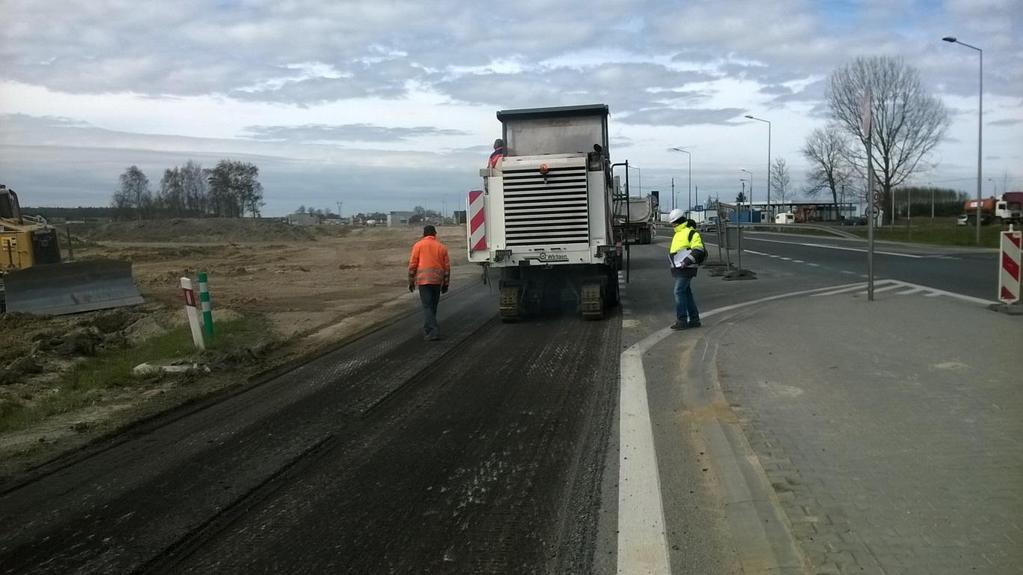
303 289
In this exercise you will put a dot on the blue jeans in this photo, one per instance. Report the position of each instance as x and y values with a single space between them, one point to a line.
430 296
685 305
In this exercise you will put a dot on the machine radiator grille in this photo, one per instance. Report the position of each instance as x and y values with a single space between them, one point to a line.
546 210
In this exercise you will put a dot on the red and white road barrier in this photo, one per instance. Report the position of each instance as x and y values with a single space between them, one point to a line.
477 222
1009 267
192 312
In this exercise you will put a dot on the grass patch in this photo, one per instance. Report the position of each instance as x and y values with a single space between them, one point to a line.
940 231
94 380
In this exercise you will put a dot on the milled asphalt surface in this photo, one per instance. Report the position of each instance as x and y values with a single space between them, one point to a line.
480 453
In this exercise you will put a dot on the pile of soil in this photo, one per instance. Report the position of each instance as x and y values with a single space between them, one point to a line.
39 348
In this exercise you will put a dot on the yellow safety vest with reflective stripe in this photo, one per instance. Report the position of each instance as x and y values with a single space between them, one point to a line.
680 241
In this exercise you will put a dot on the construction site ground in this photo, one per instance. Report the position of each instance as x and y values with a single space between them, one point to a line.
280 293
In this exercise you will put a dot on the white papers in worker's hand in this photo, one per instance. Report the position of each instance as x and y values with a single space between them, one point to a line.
678 260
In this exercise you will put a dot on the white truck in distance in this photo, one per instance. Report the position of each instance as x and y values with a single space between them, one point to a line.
636 219
544 216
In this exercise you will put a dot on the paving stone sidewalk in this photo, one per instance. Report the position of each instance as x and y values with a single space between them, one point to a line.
891 430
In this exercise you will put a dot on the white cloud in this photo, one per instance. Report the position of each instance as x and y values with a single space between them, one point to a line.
402 77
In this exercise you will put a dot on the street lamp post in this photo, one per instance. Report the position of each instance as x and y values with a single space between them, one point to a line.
688 153
980 122
751 117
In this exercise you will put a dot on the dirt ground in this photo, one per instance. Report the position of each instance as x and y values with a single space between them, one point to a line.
304 281
315 287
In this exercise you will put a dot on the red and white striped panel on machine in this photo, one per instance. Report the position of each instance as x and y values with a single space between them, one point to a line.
477 222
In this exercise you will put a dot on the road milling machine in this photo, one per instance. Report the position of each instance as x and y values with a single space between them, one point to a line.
544 216
33 279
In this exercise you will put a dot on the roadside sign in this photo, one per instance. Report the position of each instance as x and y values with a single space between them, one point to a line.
1009 267
865 122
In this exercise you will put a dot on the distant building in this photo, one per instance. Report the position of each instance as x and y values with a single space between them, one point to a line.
459 216
303 219
395 219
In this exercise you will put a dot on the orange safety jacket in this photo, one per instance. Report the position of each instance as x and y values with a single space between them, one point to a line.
429 264
495 157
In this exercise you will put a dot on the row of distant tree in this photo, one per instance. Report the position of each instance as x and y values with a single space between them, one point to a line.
231 189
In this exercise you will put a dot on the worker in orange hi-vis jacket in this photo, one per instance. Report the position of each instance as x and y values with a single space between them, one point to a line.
499 152
430 269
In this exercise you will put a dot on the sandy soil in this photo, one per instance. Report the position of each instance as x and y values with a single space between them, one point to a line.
318 286
302 285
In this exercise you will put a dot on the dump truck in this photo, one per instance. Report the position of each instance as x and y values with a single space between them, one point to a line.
544 218
1004 208
635 219
34 279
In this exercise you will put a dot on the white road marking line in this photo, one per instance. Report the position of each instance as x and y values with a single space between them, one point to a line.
813 265
758 253
848 272
838 291
885 288
842 248
932 294
787 259
797 261
910 291
642 540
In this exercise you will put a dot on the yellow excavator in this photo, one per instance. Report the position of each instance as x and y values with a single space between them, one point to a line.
33 279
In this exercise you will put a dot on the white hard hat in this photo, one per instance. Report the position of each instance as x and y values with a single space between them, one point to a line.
676 215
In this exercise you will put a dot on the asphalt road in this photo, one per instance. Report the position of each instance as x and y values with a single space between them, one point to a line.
481 453
961 270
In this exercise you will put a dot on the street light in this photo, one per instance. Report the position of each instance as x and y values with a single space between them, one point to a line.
688 153
980 122
752 117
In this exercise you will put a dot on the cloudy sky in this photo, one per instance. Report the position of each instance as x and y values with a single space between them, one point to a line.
386 104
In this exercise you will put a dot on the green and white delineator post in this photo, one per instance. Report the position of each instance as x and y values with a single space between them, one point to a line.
205 305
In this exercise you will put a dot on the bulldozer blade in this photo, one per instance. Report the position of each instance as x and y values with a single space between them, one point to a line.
73 287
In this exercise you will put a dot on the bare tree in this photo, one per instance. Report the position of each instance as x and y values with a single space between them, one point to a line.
908 122
234 189
133 192
780 179
827 151
172 192
193 181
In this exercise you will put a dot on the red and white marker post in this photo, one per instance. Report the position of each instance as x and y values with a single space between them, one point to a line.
1009 276
192 312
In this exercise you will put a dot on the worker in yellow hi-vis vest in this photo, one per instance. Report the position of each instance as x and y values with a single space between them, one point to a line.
686 254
